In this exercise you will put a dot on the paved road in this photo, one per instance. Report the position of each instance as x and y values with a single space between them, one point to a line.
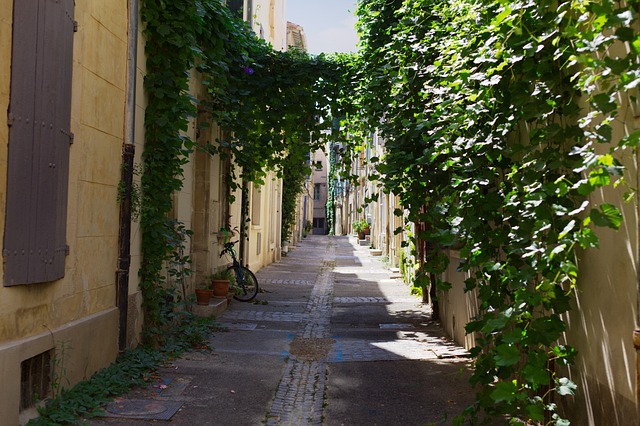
333 340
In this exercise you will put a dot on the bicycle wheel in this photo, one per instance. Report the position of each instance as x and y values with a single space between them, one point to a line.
246 283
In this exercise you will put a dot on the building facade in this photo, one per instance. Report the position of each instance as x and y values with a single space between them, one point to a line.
73 90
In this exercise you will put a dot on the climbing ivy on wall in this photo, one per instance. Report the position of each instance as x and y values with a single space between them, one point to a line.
332 182
271 104
497 119
293 178
170 31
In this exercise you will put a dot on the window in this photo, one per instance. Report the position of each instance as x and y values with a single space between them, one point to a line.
238 8
316 191
34 247
256 205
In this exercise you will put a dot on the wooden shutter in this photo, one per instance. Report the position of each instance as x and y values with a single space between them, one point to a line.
39 138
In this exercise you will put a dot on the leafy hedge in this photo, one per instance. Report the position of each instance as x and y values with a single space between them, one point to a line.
271 106
497 119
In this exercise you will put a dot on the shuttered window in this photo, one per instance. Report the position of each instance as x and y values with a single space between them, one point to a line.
39 118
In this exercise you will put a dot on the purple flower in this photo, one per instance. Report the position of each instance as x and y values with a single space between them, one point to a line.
248 70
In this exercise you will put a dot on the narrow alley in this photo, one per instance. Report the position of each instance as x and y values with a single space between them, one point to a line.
333 340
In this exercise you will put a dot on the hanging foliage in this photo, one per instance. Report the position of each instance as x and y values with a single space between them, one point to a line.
492 112
332 191
272 105
294 173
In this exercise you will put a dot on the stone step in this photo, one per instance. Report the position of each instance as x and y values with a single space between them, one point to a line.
215 308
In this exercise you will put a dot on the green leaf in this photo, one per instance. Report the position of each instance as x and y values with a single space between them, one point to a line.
625 33
599 177
535 412
557 250
501 16
605 102
636 44
608 215
587 238
498 323
505 392
163 29
564 386
507 355
632 139
569 268
568 228
535 371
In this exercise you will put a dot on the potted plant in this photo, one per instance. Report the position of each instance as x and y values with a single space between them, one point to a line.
203 294
220 282
361 227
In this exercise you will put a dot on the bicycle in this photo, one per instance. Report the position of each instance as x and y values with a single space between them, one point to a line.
246 285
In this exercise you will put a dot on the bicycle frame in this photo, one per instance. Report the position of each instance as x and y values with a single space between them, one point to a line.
246 280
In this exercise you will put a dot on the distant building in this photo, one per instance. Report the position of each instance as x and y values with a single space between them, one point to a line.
306 205
320 167
69 291
296 37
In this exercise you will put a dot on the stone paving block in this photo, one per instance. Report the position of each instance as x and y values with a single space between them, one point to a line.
331 291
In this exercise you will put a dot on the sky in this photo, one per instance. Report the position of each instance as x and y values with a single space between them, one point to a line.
328 24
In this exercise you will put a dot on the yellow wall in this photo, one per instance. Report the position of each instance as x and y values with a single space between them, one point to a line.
6 17
264 246
604 314
92 231
76 312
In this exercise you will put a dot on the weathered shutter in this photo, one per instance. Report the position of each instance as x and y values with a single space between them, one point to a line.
39 139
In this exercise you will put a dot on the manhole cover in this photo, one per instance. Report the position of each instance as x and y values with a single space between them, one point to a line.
310 349
142 409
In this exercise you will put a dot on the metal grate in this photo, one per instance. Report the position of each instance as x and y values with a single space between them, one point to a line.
35 379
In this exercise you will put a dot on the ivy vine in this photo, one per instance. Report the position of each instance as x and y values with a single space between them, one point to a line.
171 30
271 106
332 190
492 113
294 173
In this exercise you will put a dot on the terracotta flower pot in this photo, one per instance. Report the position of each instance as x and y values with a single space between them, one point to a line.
220 288
203 296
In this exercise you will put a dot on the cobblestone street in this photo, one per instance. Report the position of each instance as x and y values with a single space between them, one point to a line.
332 339
359 315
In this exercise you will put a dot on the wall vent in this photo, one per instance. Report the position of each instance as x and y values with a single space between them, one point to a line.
35 379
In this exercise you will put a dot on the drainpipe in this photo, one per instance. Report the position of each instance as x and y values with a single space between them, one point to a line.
128 152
